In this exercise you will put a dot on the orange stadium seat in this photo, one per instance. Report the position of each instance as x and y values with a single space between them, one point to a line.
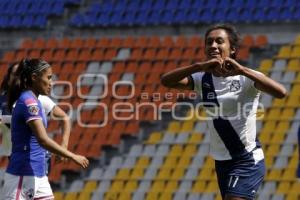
27 43
261 41
90 42
128 42
102 43
51 43
77 43
97 54
115 42
154 42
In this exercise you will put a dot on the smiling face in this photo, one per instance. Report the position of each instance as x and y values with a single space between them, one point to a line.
42 82
217 45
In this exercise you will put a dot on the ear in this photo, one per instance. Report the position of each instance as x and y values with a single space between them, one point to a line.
34 76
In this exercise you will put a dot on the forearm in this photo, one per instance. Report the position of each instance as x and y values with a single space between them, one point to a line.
175 76
265 83
66 129
55 148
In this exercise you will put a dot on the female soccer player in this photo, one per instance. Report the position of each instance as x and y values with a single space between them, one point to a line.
49 107
25 177
224 85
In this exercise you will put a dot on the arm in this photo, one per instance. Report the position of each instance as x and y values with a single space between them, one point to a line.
39 130
261 82
178 78
59 114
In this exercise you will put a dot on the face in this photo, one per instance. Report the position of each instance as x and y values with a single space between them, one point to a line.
217 44
42 82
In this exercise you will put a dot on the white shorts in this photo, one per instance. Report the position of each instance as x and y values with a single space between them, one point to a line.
26 188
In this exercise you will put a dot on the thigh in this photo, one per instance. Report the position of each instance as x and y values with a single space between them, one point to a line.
18 187
244 183
43 189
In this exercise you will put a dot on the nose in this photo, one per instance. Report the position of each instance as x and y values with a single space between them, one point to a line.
214 44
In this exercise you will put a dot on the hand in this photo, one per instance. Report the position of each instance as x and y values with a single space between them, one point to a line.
212 66
231 67
81 160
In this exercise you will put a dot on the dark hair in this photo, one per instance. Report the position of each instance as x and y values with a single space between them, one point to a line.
4 85
22 79
233 35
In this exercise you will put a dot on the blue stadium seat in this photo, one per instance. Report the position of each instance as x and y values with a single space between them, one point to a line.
277 3
206 16
195 16
27 21
259 15
57 8
273 14
185 4
40 21
167 17
4 21
22 8
115 19
181 17
133 6
103 19
263 4
95 8
90 19
172 5
34 8
286 14
246 15
146 5
15 22
107 6
129 19
219 15
154 18
233 15
120 6
142 17
237 4
250 4
159 5
76 20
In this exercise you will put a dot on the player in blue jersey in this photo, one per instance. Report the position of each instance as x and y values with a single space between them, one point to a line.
25 177
49 108
224 87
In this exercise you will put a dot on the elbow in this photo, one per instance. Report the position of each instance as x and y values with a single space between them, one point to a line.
164 81
43 142
282 94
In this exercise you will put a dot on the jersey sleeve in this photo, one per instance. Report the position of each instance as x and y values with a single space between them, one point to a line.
250 86
31 109
197 78
47 104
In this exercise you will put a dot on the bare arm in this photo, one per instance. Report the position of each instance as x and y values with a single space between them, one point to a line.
178 78
58 114
265 83
261 81
39 130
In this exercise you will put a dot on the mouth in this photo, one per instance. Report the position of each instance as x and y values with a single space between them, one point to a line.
214 54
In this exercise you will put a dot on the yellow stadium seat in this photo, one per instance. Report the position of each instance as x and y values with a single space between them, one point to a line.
295 187
293 161
295 89
274 175
265 137
174 127
117 186
279 102
283 187
195 138
187 126
205 174
295 52
154 138
293 65
124 196
199 186
111 195
178 173
170 162
176 150
123 174
218 196
142 162
137 173
71 196
171 186
58 195
284 52
268 127
90 186
287 114
283 126
184 161
131 186
292 196
272 150
293 101
190 150
277 137
166 196
265 65
152 196
164 174
269 160
157 186
212 186
297 40
84 195
289 174
273 114
209 163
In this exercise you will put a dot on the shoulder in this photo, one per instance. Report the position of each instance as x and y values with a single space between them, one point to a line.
45 99
27 98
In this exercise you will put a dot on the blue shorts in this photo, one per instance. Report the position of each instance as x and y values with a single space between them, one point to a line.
240 177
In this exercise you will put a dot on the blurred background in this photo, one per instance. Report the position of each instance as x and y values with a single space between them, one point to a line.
131 43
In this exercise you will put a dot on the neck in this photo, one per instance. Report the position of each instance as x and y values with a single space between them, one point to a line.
34 92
